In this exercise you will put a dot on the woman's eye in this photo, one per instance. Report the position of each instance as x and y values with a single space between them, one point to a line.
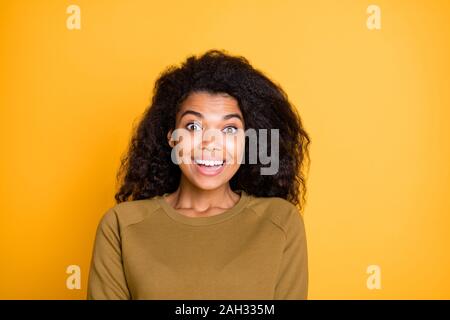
193 126
230 130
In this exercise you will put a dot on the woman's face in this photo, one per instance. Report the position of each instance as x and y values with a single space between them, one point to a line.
208 139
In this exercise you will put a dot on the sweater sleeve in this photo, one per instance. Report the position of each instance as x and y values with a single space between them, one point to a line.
292 281
106 275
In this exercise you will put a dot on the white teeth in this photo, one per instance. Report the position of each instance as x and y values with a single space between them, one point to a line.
209 163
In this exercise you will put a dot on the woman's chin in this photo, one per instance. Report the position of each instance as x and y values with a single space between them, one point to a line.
207 179
207 185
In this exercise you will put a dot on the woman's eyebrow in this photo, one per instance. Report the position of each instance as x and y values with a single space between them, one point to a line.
233 115
198 114
195 113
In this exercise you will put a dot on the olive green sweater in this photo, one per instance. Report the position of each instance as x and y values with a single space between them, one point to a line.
145 249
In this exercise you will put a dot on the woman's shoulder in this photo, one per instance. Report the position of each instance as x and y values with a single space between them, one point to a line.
277 209
130 212
275 204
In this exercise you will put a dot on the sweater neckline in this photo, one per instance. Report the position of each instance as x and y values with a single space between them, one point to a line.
203 221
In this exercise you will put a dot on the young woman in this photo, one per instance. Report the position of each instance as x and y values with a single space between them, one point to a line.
196 218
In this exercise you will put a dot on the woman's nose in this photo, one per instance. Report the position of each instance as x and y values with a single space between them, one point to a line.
210 148
212 140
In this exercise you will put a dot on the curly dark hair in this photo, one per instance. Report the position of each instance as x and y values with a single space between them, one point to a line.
146 170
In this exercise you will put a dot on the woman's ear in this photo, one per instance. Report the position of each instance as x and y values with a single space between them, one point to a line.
169 138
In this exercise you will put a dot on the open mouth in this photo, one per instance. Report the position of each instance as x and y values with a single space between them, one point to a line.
209 163
209 167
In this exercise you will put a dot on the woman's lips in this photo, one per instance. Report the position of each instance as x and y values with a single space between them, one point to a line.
209 171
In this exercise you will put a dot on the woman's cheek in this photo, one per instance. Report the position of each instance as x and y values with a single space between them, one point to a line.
183 155
234 146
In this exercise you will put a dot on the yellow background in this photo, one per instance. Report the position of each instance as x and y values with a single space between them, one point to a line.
375 102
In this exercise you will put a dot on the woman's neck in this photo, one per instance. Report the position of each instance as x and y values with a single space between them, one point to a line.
192 201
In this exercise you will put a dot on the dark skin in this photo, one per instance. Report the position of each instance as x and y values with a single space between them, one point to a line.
199 195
